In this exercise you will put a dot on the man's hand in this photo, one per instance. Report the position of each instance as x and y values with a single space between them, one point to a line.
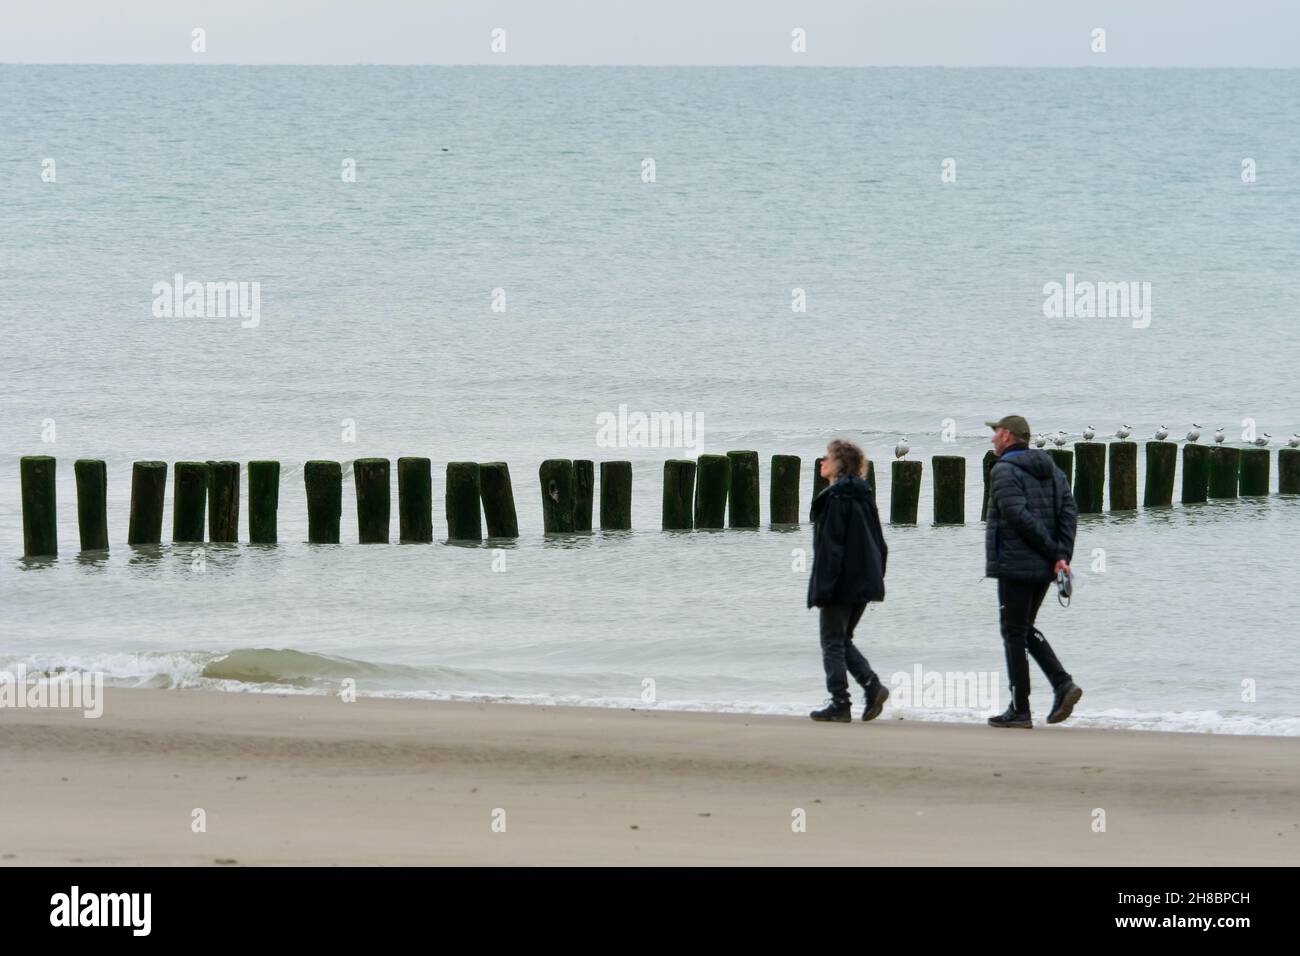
1061 566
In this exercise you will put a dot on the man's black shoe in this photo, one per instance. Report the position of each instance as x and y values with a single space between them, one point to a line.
1067 695
840 713
877 694
1012 719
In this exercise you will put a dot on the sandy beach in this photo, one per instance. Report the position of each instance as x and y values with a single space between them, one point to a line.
298 779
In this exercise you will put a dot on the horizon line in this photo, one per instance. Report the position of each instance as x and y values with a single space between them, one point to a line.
665 66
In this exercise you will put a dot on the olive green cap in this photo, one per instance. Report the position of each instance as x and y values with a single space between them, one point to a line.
1012 423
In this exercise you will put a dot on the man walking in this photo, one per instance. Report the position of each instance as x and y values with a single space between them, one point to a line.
1028 540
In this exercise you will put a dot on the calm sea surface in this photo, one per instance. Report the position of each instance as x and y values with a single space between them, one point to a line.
524 188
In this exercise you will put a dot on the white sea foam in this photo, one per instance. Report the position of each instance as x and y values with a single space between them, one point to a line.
321 674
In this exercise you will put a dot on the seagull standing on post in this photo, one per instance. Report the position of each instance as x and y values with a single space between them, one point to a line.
1089 433
1162 433
1262 440
1194 435
902 448
1123 432
1218 435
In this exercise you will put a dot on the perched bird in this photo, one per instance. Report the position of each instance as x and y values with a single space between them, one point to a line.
1195 434
1089 433
1262 440
1061 438
902 448
1294 442
1123 432
1162 433
1218 435
1041 440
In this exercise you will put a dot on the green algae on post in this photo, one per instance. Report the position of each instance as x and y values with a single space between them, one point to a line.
223 501
556 478
712 484
148 494
783 496
679 494
189 500
324 484
464 520
92 503
615 496
498 500
414 500
40 525
949 477
263 501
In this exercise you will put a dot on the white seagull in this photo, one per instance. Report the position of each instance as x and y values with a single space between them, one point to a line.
1262 440
1123 432
1294 442
1162 433
1041 440
1089 433
1195 434
1061 438
902 448
1218 435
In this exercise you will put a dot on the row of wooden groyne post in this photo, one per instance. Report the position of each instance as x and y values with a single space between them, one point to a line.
712 491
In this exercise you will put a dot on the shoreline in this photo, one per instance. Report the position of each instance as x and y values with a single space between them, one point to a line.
300 778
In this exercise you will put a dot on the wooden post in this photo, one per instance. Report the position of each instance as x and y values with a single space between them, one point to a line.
464 491
1123 476
1064 460
615 496
1089 476
40 525
990 457
556 476
949 488
1255 471
374 499
743 507
679 494
1225 463
148 492
498 500
712 484
1162 459
783 504
189 500
584 493
1196 473
414 500
223 501
904 492
263 501
1288 471
92 503
324 481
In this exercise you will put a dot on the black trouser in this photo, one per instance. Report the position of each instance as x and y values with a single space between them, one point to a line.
839 653
1019 602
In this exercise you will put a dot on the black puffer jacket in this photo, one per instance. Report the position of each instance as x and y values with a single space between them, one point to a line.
849 550
1031 518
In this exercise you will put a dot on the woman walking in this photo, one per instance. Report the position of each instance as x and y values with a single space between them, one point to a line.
849 555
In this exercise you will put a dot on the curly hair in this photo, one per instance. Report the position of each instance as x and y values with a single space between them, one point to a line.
849 459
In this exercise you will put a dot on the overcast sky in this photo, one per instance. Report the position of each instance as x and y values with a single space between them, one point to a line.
839 32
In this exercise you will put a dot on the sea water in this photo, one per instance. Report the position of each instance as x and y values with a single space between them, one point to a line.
486 264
